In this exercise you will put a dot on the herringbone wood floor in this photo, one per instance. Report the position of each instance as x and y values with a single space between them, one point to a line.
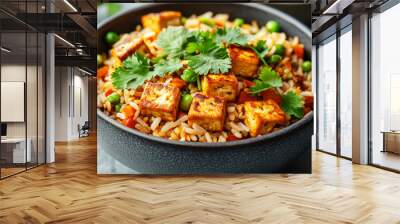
69 191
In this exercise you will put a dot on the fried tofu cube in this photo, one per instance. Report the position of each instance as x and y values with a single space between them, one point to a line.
262 116
223 86
244 61
158 21
127 44
160 100
208 112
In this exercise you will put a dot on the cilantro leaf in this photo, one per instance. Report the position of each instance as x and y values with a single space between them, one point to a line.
268 78
134 71
172 40
261 50
231 36
292 104
167 66
210 60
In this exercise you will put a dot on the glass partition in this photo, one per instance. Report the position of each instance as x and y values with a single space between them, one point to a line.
385 89
15 150
346 92
327 95
22 89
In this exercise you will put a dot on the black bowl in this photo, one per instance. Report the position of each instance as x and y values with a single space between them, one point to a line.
126 150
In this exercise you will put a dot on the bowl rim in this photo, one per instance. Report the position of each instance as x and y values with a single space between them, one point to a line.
286 130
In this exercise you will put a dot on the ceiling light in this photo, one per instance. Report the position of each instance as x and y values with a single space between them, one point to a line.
70 5
84 71
64 40
5 50
338 6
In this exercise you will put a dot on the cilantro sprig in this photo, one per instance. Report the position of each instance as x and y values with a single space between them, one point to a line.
172 40
137 69
230 36
292 104
268 78
261 50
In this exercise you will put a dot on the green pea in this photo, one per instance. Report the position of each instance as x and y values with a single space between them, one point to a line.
183 20
273 26
100 60
189 76
117 107
207 21
238 22
191 47
306 66
274 59
113 98
111 37
186 101
279 49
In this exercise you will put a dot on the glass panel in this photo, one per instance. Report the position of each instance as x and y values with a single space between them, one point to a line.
31 99
385 84
32 88
345 93
41 99
14 153
327 96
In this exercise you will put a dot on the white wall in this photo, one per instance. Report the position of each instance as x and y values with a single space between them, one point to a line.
70 83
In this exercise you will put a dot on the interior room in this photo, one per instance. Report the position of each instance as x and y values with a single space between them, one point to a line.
49 151
47 80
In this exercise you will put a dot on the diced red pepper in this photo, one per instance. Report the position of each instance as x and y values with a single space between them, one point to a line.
248 83
178 83
271 94
102 72
299 50
246 96
129 122
231 137
108 92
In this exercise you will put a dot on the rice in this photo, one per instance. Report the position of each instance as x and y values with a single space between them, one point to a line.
168 126
208 137
231 109
198 128
121 116
137 109
243 127
155 123
236 134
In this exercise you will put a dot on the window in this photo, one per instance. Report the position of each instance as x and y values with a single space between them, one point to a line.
346 92
385 89
327 95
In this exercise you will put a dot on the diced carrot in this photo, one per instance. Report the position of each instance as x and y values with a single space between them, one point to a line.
128 110
271 94
231 137
108 92
129 122
178 83
102 72
246 96
299 50
248 83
